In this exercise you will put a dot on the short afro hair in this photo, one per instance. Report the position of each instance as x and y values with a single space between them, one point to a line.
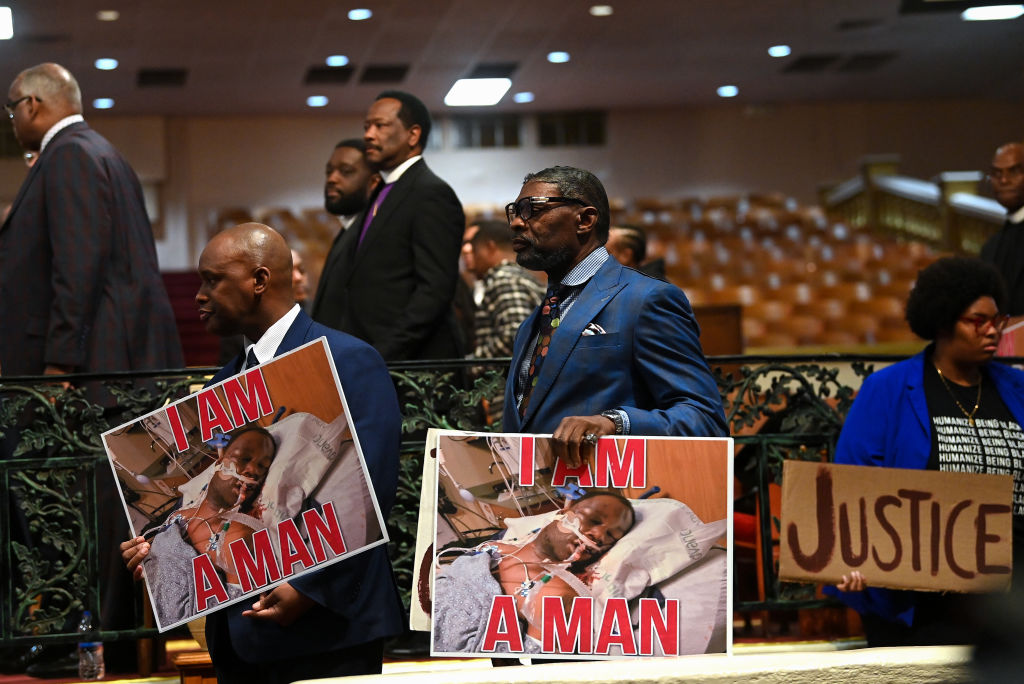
945 289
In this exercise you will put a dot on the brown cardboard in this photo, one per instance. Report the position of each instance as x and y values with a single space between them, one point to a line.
969 550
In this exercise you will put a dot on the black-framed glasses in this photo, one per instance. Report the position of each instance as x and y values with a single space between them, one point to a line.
527 207
981 321
13 104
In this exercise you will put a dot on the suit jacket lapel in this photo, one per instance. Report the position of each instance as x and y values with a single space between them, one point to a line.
296 335
21 192
595 296
35 170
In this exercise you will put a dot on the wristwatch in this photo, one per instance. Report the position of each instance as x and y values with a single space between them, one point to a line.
616 418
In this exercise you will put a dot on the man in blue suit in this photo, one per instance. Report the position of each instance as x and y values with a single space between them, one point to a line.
333 622
615 351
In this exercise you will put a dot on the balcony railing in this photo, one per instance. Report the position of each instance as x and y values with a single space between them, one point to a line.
778 408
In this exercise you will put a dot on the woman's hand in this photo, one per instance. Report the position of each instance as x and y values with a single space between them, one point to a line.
855 582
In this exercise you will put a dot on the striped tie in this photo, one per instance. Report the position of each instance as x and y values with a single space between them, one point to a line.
548 323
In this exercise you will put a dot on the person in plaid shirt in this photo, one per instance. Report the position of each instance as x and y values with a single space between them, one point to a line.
510 293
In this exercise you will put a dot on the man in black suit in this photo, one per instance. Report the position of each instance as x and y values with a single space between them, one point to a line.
390 279
80 288
349 183
1005 249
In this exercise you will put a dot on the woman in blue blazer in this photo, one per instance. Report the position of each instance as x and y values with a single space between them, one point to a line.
918 413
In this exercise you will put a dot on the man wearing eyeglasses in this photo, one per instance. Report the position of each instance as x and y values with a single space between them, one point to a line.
610 351
80 287
1005 249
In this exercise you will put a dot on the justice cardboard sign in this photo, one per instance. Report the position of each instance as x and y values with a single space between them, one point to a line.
245 485
624 555
902 529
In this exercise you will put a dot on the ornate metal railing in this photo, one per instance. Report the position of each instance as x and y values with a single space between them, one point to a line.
778 408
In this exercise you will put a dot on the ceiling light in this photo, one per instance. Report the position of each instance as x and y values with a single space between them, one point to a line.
479 92
728 91
779 51
523 97
992 12
316 101
106 63
103 103
6 24
108 15
558 57
359 14
337 61
601 10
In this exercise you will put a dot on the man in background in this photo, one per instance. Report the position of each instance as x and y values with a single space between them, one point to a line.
1005 249
390 279
509 292
80 287
628 244
350 181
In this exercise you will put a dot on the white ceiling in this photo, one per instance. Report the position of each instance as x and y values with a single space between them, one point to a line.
250 56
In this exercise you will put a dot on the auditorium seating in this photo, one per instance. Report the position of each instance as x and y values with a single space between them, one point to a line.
801 278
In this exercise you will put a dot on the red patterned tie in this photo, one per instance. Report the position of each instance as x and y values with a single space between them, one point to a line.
548 323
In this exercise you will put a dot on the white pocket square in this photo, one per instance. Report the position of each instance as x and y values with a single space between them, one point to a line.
592 329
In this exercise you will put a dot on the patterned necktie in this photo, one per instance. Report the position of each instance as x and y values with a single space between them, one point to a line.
547 324
250 359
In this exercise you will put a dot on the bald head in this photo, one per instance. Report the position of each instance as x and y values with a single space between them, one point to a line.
1007 176
246 274
50 94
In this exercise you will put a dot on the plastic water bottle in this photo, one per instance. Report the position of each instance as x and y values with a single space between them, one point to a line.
90 653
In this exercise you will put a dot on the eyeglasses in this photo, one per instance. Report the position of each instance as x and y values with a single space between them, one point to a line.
1010 173
527 207
13 104
981 321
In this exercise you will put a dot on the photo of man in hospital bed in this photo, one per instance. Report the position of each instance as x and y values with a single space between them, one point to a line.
300 458
562 568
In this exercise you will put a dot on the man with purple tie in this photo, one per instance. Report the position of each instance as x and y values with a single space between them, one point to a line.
390 279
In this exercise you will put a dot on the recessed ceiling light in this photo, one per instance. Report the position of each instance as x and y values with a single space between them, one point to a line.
108 15
523 97
106 63
601 10
479 92
6 24
359 14
780 51
316 101
337 61
103 102
728 91
992 12
558 57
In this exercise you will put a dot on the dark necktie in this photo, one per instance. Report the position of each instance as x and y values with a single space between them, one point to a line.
548 322
250 359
